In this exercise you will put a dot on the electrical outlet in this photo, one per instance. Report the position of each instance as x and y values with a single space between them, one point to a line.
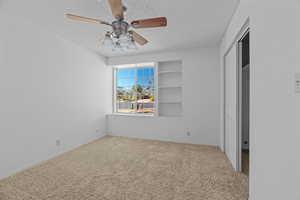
297 83
57 142
188 133
97 130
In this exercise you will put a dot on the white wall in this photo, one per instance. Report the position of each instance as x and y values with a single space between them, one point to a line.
274 105
200 101
50 89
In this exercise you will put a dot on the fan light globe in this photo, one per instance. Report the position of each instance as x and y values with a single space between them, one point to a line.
108 42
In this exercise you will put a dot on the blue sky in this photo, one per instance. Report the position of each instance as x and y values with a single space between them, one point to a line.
126 77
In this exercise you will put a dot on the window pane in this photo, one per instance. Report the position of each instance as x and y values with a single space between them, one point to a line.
125 93
145 90
132 73
123 73
135 90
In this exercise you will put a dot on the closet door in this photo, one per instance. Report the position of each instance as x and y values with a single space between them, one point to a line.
230 115
245 106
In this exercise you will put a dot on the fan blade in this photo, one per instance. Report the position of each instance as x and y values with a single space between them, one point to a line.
150 23
86 19
116 8
138 38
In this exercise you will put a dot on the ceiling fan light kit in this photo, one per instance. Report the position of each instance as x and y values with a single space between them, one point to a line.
120 37
122 43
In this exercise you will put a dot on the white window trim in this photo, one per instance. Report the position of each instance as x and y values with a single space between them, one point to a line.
139 65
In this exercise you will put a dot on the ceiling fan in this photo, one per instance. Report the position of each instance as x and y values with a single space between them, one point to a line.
122 36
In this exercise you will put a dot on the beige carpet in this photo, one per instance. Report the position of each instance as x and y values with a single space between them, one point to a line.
118 168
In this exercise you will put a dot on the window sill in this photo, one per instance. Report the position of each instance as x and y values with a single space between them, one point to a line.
131 115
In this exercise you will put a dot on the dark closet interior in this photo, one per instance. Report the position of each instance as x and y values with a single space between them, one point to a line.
245 102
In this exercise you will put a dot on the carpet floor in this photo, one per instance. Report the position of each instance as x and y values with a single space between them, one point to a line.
119 168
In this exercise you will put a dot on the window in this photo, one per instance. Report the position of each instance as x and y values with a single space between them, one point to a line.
135 89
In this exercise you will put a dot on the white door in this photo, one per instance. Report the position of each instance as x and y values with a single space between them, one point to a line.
230 115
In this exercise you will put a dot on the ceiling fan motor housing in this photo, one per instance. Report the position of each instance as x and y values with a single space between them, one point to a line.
120 28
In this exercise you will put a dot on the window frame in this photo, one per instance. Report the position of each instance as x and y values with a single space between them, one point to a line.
136 66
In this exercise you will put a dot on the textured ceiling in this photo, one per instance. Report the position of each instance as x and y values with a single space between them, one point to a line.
191 23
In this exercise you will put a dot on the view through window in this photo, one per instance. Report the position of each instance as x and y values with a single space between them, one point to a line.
135 90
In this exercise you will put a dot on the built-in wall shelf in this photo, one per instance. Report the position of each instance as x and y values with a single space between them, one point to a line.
168 72
171 116
170 102
170 88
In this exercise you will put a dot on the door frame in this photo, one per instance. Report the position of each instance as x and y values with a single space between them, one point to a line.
235 44
240 98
